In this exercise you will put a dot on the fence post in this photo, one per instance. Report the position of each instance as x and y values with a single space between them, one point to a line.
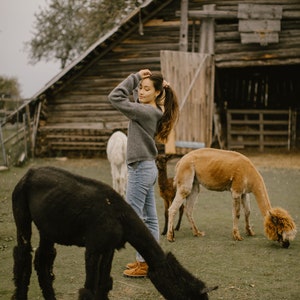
3 147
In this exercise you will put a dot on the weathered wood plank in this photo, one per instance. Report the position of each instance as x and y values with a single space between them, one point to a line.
217 14
233 14
257 63
259 55
259 25
76 146
259 11
80 106
262 38
194 93
207 33
183 39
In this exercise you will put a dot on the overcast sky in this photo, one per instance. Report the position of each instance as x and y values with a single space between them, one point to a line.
16 26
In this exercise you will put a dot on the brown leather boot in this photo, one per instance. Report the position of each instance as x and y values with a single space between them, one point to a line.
132 265
141 270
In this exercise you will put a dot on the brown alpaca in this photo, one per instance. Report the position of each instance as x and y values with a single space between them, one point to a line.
166 189
223 170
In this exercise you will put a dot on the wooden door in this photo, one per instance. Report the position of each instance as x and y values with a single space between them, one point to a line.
191 75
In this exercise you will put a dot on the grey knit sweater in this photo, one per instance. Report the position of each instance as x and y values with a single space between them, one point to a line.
143 120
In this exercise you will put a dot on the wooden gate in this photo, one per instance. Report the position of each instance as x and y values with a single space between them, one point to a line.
191 75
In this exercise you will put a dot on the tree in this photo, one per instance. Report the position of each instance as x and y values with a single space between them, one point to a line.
9 87
65 29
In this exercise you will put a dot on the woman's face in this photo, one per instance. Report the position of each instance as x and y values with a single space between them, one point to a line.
146 92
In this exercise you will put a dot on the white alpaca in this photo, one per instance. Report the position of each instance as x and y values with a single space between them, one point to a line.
116 154
223 170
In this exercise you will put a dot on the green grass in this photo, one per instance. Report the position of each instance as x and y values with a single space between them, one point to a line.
254 268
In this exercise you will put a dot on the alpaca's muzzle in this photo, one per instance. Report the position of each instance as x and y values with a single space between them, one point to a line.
286 237
285 244
283 240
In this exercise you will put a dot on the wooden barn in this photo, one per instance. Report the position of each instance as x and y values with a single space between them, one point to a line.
235 66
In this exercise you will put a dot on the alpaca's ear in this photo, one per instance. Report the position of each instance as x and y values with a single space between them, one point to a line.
207 290
274 219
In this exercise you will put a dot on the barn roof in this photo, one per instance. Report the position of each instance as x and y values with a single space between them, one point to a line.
103 45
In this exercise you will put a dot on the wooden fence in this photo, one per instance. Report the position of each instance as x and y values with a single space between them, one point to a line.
261 128
15 137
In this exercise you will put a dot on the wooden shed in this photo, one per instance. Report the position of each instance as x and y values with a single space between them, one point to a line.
235 66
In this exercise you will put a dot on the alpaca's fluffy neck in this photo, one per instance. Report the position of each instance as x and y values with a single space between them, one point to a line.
138 235
259 190
162 177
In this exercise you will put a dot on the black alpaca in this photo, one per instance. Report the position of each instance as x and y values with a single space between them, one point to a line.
70 209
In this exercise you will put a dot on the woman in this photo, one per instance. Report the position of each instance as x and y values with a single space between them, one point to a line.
151 117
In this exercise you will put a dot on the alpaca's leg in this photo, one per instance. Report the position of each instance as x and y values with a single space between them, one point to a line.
43 263
181 211
22 264
178 201
105 281
118 184
247 209
189 208
236 207
120 181
183 189
91 266
166 219
122 190
22 252
98 281
123 179
114 175
119 173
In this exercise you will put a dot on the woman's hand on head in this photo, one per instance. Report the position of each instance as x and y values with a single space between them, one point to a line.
166 84
145 73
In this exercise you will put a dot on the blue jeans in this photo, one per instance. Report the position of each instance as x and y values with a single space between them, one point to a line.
140 195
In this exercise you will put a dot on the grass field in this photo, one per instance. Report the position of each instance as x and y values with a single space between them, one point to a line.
254 268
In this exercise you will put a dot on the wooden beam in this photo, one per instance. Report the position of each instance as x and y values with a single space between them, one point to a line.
207 32
216 14
259 26
259 11
262 38
183 41
219 14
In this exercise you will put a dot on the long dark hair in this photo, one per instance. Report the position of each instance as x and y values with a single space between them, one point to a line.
168 102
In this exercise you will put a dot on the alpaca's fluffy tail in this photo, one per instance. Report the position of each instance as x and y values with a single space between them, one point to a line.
22 252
